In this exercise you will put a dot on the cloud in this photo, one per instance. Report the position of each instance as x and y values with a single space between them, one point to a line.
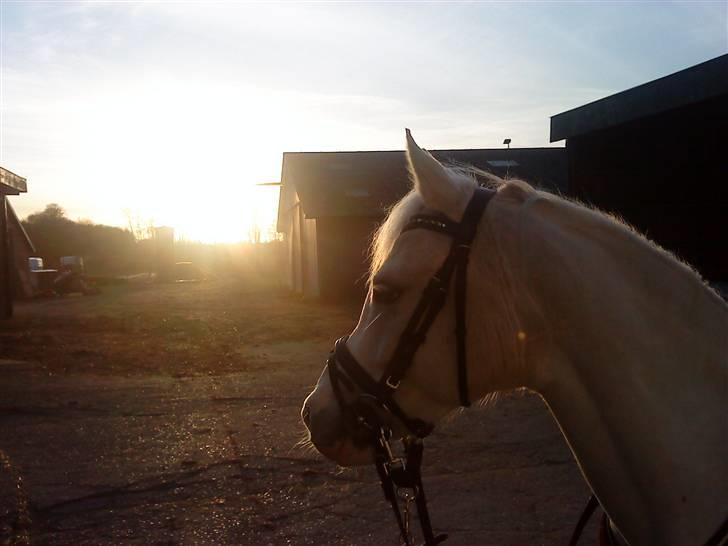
108 103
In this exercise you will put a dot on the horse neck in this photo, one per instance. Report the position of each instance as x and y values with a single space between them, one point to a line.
628 349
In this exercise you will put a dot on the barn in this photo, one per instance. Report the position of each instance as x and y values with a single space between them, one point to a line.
15 246
331 202
657 155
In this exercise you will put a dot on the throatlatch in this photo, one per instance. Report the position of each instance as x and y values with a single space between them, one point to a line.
370 407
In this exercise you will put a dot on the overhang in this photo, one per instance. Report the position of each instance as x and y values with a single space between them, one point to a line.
693 85
11 183
367 183
15 221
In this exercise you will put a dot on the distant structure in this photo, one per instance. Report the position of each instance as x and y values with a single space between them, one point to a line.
331 202
657 155
164 254
13 241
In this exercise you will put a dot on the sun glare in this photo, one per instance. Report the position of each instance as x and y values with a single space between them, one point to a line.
192 156
248 215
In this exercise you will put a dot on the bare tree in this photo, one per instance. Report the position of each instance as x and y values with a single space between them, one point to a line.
140 228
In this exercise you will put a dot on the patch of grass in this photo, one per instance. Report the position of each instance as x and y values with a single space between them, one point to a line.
170 329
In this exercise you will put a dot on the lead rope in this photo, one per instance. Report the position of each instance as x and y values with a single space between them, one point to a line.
591 505
391 495
414 449
606 537
397 475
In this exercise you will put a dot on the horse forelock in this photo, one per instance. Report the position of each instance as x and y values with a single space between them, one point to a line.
386 235
411 204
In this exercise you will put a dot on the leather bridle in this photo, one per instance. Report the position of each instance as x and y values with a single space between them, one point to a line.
370 414
370 407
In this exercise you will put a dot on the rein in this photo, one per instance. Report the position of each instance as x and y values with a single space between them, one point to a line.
369 416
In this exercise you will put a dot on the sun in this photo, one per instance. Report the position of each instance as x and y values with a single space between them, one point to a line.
248 213
186 155
186 152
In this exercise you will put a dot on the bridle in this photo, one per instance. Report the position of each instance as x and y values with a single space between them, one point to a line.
370 415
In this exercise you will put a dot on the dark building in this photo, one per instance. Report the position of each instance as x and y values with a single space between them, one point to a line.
331 203
657 155
10 184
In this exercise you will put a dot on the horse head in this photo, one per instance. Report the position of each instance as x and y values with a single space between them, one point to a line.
561 299
404 263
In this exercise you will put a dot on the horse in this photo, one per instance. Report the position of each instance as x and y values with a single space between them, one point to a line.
626 345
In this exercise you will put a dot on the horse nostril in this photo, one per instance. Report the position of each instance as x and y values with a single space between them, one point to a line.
306 416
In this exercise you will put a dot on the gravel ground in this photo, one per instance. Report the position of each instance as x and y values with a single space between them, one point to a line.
168 414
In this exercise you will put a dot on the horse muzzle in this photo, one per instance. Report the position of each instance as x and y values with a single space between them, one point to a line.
329 435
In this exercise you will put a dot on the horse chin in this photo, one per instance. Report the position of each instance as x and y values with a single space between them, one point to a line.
345 453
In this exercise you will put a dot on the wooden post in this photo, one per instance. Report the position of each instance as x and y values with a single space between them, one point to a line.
6 289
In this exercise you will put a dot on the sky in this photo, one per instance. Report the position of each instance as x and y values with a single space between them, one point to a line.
171 112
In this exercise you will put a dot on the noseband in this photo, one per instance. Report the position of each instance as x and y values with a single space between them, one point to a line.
370 415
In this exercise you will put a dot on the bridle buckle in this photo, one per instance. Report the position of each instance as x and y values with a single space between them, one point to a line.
392 385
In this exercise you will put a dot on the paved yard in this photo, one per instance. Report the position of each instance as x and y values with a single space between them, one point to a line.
168 414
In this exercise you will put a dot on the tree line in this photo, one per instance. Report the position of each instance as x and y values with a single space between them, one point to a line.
113 251
105 249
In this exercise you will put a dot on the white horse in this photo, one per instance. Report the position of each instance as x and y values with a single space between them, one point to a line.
627 346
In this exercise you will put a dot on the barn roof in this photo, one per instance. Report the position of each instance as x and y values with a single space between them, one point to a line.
366 183
696 84
11 183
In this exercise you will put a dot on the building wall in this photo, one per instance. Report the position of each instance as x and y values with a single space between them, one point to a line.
667 177
293 239
309 265
343 244
301 269
288 225
327 257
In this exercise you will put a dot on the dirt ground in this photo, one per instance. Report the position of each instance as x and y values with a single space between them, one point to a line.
169 414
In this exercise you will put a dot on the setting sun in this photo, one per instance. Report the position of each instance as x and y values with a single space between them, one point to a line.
249 216
178 153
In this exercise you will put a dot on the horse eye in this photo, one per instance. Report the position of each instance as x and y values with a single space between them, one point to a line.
382 293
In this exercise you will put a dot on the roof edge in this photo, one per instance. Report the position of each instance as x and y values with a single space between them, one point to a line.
17 184
438 150
691 85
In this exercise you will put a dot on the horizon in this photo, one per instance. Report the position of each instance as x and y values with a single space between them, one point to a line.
173 112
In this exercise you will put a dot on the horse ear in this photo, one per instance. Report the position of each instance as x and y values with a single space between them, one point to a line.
437 186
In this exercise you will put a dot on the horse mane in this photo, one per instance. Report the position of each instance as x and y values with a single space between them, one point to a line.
387 233
608 232
605 227
616 235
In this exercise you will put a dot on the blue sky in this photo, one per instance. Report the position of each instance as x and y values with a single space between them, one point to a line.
166 109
